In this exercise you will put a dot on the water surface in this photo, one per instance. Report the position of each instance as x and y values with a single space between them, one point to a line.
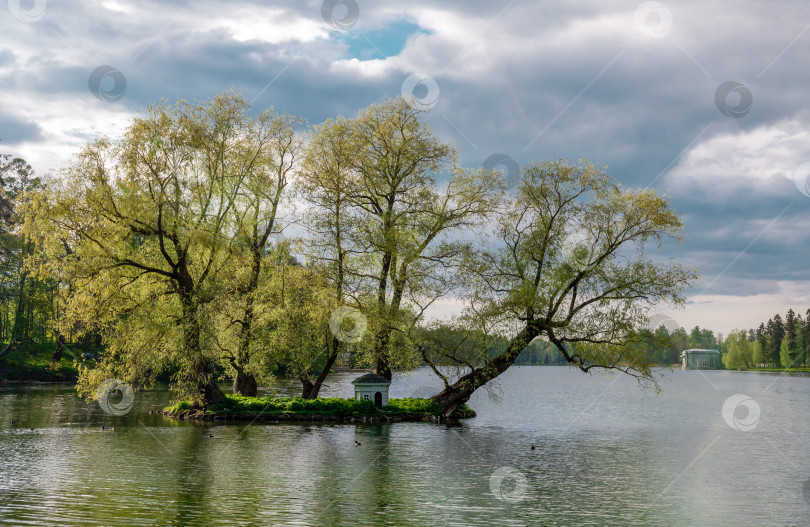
606 453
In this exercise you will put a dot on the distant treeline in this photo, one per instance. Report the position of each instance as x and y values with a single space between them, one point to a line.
777 343
662 346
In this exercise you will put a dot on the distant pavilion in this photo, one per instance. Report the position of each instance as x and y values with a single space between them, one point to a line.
700 359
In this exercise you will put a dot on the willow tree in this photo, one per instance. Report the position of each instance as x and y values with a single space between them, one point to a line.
299 333
399 206
569 264
411 226
325 182
152 222
271 145
16 178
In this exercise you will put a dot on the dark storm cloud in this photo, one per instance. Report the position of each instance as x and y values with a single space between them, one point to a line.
526 79
15 129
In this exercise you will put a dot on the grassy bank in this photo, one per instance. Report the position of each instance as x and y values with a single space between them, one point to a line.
804 369
239 406
32 362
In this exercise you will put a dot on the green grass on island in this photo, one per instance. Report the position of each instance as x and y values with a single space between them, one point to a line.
241 405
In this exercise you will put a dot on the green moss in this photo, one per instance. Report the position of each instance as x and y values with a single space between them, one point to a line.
238 404
182 406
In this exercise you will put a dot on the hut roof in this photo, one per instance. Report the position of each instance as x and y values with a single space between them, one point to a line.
371 378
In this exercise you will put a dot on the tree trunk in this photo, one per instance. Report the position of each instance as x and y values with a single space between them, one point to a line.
207 391
311 389
381 366
210 391
451 398
18 318
56 358
460 391
245 384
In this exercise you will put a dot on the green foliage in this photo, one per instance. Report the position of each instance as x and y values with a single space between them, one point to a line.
568 262
414 406
784 354
182 406
336 406
739 350
32 362
757 357
238 404
163 239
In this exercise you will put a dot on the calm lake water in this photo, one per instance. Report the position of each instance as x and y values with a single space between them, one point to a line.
606 453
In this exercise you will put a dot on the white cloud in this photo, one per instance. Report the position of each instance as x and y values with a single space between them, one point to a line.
772 150
722 313
270 25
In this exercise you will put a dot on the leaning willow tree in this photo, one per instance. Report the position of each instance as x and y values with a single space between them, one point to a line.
568 262
150 230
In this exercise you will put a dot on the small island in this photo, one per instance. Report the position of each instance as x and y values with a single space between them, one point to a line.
297 409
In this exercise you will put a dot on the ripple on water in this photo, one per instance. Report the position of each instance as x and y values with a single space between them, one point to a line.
605 453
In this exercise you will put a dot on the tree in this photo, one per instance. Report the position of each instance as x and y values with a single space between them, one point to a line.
772 342
757 357
397 237
272 150
777 335
16 178
151 225
325 181
300 335
792 326
784 354
805 338
740 350
762 339
569 267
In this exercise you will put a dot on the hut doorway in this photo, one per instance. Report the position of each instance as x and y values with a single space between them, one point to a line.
378 399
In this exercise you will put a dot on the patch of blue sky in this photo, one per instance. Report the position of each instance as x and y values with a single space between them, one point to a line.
380 43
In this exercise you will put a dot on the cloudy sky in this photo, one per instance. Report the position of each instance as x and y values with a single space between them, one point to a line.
705 100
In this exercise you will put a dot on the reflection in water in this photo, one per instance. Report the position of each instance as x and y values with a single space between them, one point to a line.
606 454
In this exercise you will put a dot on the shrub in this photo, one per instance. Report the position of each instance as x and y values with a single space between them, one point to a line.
414 406
241 404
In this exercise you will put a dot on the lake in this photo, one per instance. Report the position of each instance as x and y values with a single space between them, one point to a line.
606 453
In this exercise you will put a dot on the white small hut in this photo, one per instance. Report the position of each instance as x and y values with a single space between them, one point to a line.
372 387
